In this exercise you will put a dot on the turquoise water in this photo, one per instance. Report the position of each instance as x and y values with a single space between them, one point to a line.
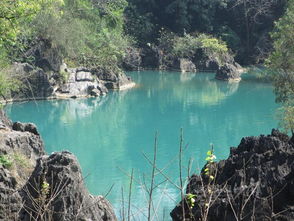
109 135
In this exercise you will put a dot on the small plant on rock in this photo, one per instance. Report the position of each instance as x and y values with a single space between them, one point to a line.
5 161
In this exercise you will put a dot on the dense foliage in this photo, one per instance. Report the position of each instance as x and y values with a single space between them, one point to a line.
281 62
243 24
84 32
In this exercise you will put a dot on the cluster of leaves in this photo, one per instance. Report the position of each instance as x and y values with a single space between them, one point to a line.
281 61
86 32
209 161
5 161
243 24
283 54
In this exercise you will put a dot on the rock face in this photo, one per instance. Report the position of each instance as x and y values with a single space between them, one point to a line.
35 186
256 182
34 82
46 57
132 60
187 66
67 83
80 82
58 177
14 144
114 80
228 72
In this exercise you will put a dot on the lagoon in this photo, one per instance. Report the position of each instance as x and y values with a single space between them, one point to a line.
109 135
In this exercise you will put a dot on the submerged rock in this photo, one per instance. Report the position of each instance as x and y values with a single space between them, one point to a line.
256 182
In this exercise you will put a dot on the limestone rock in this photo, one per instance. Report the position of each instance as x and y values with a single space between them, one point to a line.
187 66
228 72
84 76
256 182
51 185
114 80
34 82
70 199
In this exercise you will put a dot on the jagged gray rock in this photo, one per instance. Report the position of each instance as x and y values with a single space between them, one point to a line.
113 80
34 84
187 66
71 200
256 182
61 171
228 72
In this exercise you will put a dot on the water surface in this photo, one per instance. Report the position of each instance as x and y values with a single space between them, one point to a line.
109 135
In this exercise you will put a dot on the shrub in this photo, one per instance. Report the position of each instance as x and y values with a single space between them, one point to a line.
5 161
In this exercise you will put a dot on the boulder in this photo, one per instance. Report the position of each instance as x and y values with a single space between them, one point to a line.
114 80
228 72
81 82
187 66
94 92
23 127
58 185
256 182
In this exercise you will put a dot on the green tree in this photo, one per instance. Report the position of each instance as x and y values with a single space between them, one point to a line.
281 62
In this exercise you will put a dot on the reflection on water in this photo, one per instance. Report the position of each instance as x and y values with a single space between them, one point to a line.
109 134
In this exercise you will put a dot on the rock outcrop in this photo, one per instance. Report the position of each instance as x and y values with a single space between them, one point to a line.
58 185
187 66
20 149
36 84
113 80
256 182
35 186
229 72
33 81
80 82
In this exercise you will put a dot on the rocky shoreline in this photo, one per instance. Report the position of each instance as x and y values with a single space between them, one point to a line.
256 182
37 186
48 77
